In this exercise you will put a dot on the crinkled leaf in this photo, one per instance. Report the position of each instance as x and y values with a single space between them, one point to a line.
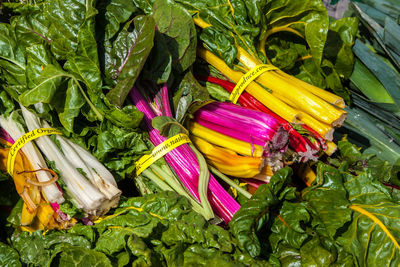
373 236
8 256
313 254
70 255
37 248
341 38
193 229
84 64
130 51
122 259
112 240
197 255
116 12
12 58
140 250
219 44
333 81
127 117
287 226
244 223
32 27
309 17
328 198
118 148
66 23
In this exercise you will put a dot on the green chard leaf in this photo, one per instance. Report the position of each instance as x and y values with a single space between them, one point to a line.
130 51
251 216
188 91
8 256
45 86
329 194
12 59
66 23
373 236
70 255
309 18
177 26
36 248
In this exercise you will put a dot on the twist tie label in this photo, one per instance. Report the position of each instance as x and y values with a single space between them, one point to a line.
161 150
247 78
12 154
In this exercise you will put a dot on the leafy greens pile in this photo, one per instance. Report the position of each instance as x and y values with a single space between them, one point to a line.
347 218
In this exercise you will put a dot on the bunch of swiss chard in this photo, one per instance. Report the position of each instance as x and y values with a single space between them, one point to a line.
298 39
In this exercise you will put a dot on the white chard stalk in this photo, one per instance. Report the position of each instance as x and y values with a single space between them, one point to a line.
90 194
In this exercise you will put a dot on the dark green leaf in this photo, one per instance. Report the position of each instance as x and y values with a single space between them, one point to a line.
6 103
130 52
177 26
167 126
45 87
37 248
66 23
116 13
341 38
8 256
373 235
84 64
328 199
73 104
246 220
197 255
12 57
159 64
287 226
80 256
188 91
313 254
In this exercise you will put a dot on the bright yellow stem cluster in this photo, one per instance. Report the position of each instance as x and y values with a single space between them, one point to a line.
269 100
291 98
225 141
227 161
319 109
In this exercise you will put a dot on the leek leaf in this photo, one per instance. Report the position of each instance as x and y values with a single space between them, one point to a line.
389 78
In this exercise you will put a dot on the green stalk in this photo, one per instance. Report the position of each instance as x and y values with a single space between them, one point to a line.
157 180
204 177
170 181
98 114
229 182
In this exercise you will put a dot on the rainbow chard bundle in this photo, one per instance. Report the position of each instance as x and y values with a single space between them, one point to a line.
185 160
56 178
238 141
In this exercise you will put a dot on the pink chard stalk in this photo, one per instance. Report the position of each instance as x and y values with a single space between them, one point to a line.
183 159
